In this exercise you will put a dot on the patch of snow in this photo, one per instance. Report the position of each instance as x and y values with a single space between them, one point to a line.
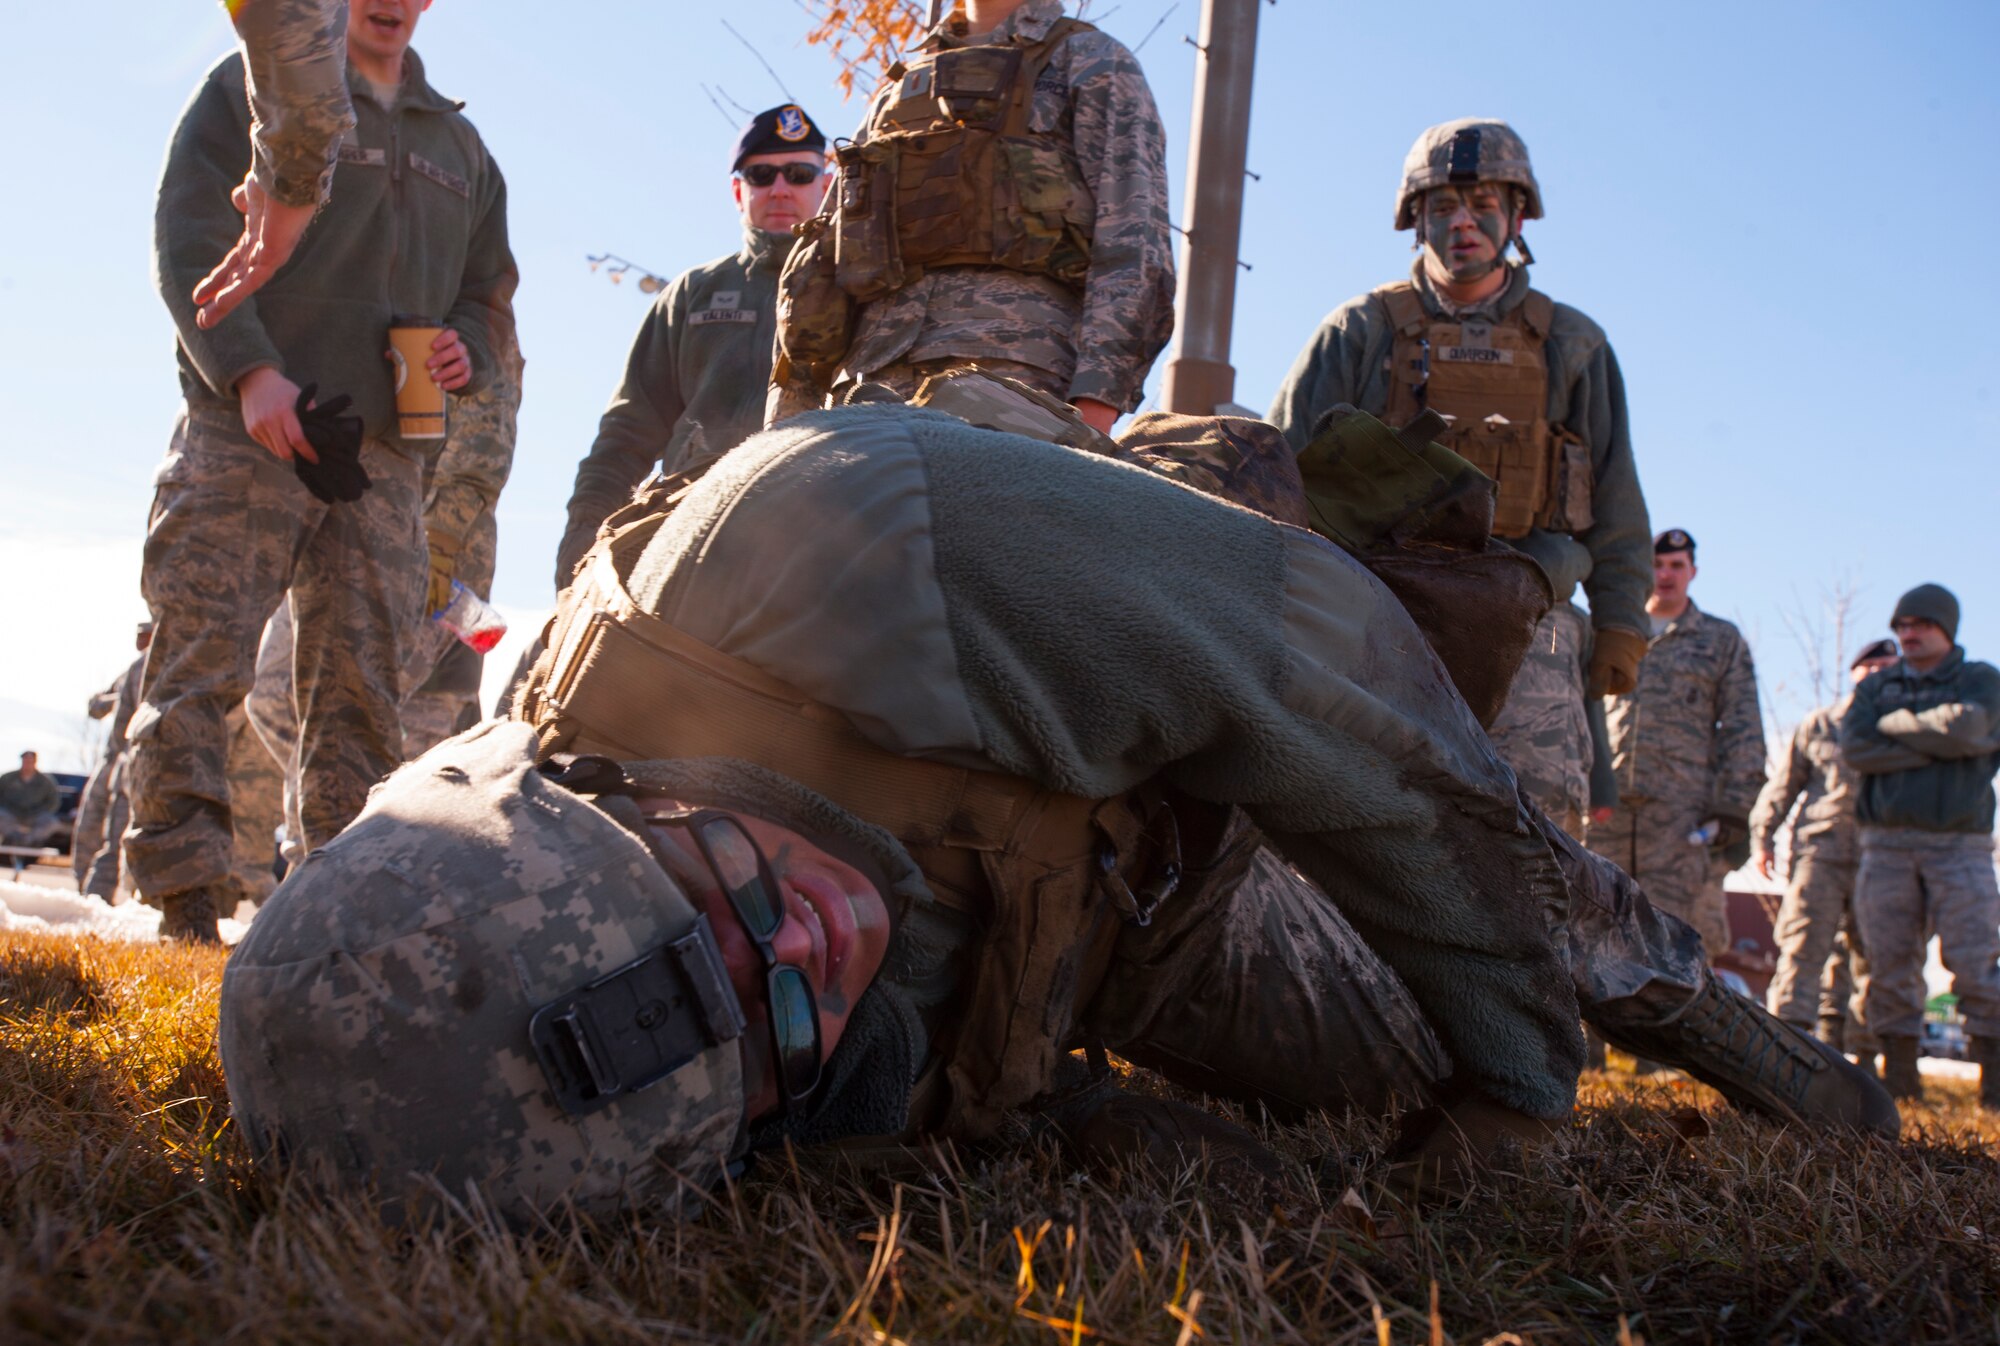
1947 1068
51 910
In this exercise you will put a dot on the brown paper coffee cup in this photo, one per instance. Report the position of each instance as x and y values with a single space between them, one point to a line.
419 399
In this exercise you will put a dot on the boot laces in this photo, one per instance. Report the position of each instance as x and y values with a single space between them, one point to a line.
1745 1038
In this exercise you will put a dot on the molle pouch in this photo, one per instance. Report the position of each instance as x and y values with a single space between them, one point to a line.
815 312
1045 213
867 261
1516 456
1572 479
944 196
974 84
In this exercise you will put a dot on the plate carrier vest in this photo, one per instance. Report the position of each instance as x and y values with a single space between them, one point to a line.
1491 380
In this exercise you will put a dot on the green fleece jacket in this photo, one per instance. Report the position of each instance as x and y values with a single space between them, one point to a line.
26 798
416 226
1927 745
993 601
694 383
1347 360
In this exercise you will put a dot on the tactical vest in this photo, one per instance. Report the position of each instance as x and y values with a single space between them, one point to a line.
1491 379
1049 876
950 172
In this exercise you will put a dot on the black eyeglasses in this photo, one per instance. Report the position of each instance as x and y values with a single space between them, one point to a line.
763 175
746 879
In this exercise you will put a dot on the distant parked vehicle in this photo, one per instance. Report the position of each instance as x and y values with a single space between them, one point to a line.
1943 1039
71 786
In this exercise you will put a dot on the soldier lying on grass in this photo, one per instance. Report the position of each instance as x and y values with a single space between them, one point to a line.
899 758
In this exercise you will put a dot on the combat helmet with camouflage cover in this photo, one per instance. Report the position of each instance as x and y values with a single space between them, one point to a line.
1460 153
486 981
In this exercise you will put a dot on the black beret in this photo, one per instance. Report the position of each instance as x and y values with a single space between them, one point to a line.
1674 539
778 130
1881 649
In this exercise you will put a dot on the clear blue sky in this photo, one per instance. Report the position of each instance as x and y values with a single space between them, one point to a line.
1771 208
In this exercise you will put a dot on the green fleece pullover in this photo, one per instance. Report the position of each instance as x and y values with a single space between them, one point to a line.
25 798
1926 745
416 226
994 601
1348 361
694 383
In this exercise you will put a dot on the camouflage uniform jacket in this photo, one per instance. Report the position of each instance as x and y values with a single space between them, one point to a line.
299 105
1348 361
694 383
1691 731
1814 775
1926 745
1094 96
419 226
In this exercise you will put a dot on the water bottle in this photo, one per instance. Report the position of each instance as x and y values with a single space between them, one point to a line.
1706 834
471 618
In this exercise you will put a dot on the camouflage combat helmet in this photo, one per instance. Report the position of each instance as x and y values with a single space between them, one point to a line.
487 981
1472 149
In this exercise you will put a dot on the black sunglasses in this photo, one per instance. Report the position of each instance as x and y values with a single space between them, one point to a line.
746 879
763 175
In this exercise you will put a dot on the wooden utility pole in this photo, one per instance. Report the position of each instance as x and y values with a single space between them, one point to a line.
1200 378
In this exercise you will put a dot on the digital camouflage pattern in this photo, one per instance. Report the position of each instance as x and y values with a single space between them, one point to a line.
375 1017
1542 730
256 811
1914 883
94 810
462 491
440 675
1461 153
1099 342
995 400
1691 732
296 54
1687 745
232 529
1819 894
694 384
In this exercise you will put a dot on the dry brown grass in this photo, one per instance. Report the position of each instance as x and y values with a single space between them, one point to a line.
130 1214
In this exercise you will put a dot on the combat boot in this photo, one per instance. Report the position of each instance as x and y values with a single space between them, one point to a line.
189 917
1758 1061
1899 1066
1833 1032
1443 1150
1986 1051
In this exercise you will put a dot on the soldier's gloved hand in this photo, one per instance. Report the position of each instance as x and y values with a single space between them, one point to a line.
1614 661
338 477
445 547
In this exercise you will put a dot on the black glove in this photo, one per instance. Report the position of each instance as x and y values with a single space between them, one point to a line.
338 475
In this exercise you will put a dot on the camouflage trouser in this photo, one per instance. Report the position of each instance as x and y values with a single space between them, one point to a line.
906 376
256 808
1648 839
232 530
86 836
1914 884
1239 996
106 865
25 829
440 674
1542 731
1813 977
